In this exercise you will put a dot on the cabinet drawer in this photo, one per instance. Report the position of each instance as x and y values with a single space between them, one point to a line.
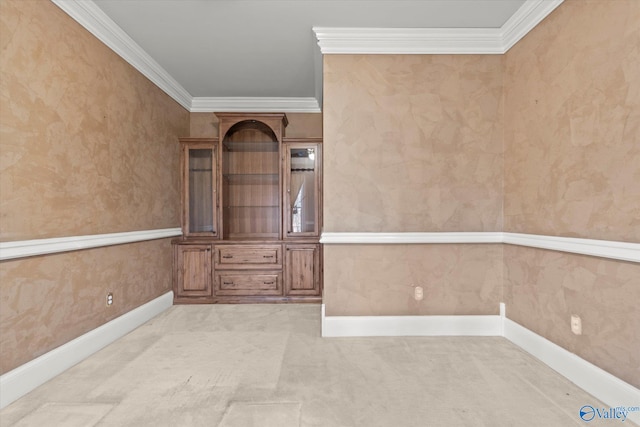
247 284
249 256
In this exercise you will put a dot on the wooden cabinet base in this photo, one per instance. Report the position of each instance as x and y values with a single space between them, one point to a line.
248 300
224 272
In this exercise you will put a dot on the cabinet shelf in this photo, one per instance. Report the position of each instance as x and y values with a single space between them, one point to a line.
256 147
250 207
251 178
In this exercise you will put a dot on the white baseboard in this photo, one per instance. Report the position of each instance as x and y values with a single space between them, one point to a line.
389 326
595 381
20 381
599 383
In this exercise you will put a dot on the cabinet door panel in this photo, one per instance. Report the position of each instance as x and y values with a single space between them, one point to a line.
302 189
194 270
303 269
199 194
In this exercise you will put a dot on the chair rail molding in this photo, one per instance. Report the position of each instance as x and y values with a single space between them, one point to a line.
26 248
624 251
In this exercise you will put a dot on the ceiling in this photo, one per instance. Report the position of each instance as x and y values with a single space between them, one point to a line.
257 55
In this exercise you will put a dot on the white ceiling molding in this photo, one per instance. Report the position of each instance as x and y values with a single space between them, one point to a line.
91 17
419 41
525 19
257 105
424 41
330 40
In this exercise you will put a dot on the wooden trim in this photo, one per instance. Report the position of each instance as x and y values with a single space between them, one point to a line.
311 140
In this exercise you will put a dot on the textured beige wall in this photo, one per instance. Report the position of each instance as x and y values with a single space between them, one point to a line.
47 301
572 168
88 143
88 146
572 124
379 280
412 143
544 288
301 125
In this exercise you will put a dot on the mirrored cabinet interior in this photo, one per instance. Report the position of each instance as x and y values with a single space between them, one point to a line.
251 214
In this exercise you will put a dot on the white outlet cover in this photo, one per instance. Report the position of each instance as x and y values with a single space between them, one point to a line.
576 324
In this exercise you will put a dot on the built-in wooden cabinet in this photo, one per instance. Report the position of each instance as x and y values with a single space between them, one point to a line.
251 214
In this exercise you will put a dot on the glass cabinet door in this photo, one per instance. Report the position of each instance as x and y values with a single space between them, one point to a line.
302 189
200 194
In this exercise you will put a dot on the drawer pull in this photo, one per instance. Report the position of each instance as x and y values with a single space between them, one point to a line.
227 256
227 283
267 256
267 283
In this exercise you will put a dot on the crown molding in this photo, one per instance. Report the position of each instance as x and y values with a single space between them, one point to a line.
423 41
530 14
255 104
330 40
419 41
91 17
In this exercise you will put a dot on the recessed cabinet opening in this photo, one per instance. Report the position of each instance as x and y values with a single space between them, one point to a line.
250 182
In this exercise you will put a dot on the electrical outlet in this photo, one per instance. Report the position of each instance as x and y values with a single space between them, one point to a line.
576 324
109 299
418 293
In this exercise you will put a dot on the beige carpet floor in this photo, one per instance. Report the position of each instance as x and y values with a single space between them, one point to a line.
266 365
